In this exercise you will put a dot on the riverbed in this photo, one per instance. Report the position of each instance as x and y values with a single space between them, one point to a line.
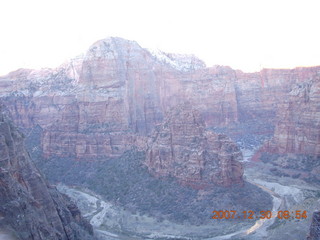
113 223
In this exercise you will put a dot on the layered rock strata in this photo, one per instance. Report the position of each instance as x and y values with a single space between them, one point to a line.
295 146
298 127
182 148
29 207
97 104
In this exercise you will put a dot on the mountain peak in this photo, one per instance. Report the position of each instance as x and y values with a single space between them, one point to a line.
111 47
115 47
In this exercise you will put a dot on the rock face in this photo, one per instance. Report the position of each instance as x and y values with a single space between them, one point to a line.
182 148
97 104
29 207
315 227
101 103
259 94
295 146
298 128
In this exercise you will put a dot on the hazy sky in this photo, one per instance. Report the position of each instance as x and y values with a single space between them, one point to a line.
244 34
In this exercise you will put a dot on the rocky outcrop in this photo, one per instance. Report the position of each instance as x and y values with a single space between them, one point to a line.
182 148
295 146
97 104
315 227
259 94
297 130
29 207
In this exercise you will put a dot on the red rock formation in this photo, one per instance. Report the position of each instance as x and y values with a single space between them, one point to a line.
28 205
298 127
99 103
93 105
212 91
182 148
295 147
260 93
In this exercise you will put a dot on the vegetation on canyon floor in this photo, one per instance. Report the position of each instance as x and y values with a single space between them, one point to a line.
126 182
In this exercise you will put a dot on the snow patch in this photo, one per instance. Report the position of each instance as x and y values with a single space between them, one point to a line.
181 62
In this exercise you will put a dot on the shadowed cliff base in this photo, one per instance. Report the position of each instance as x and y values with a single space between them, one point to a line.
31 209
126 182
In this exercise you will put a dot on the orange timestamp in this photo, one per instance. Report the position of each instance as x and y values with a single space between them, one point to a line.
226 214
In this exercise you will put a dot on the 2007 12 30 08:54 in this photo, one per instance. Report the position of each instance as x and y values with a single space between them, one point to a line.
232 214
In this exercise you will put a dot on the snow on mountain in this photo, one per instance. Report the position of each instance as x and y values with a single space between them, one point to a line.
181 62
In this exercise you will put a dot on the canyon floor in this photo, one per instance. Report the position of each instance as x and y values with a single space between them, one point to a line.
111 222
6 236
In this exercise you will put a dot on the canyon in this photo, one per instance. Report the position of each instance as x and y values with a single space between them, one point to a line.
100 103
119 102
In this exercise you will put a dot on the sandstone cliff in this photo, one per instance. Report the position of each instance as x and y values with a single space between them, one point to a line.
298 126
295 145
182 148
29 207
260 93
97 104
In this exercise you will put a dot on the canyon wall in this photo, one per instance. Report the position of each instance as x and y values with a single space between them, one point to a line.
294 148
96 104
259 94
109 99
298 126
29 207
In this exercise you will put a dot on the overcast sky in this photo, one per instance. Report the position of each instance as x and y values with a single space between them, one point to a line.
244 34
